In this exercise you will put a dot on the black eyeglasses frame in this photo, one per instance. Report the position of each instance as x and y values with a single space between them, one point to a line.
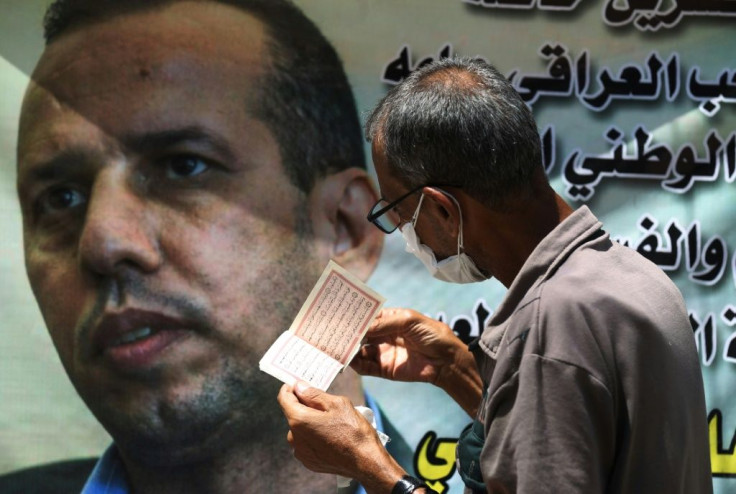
374 215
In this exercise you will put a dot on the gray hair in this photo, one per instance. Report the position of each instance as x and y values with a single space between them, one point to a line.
459 121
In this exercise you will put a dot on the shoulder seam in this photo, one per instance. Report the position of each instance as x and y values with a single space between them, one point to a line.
569 364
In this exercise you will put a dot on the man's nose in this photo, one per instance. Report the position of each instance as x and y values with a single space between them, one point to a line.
119 230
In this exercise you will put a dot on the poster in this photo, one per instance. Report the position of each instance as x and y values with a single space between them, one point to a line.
636 105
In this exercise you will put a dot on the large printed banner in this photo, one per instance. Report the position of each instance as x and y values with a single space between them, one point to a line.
636 105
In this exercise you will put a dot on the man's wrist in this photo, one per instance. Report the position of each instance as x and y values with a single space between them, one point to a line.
408 484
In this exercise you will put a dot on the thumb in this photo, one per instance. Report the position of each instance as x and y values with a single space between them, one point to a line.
311 396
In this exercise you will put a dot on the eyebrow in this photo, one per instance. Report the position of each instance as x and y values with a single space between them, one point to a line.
71 160
153 141
56 167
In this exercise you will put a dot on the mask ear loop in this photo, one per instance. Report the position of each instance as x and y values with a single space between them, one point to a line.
416 211
460 244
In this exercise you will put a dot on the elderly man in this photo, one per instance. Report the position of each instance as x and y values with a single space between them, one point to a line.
587 377
185 171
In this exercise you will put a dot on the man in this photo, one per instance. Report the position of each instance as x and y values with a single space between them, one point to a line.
587 375
185 170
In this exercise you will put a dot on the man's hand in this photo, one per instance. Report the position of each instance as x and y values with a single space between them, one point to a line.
329 436
404 345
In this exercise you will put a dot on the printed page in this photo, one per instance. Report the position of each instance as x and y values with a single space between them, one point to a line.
337 313
291 359
326 333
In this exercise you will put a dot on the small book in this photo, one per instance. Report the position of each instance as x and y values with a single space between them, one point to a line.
326 333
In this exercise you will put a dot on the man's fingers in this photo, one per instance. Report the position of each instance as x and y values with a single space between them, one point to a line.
302 394
366 362
286 395
312 397
287 399
369 351
395 322
392 321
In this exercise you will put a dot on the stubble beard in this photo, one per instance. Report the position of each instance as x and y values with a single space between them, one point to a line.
234 411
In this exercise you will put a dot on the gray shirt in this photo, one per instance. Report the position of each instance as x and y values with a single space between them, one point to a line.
592 375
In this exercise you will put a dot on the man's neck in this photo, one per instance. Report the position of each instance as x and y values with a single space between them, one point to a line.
507 238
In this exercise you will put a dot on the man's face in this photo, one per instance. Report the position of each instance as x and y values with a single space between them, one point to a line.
163 241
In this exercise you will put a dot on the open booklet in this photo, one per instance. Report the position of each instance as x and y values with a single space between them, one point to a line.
327 331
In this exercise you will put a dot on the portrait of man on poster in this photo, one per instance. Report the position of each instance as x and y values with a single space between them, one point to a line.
185 171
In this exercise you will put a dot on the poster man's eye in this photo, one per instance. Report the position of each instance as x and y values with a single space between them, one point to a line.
184 165
60 199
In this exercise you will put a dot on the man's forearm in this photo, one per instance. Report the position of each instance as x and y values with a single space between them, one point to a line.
462 382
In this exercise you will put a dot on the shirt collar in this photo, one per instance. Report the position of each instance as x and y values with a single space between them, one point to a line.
547 256
108 476
544 260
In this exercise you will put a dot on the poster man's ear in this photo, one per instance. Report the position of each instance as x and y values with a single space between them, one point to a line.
339 204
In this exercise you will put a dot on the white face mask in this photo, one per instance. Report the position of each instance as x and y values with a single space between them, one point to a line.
459 268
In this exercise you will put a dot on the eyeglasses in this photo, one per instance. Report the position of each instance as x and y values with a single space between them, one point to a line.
385 217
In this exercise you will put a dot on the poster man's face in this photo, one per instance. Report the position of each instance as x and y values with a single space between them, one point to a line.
163 241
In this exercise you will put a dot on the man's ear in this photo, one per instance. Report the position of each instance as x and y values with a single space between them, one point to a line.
339 205
443 209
